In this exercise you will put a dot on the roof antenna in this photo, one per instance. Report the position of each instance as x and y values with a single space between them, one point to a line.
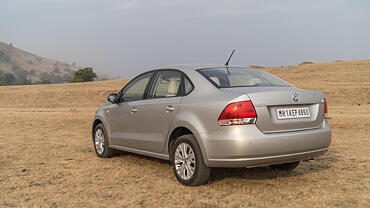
228 60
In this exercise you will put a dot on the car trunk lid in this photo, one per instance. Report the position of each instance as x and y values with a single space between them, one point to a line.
281 109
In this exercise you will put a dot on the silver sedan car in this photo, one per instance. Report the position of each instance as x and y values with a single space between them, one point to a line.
204 116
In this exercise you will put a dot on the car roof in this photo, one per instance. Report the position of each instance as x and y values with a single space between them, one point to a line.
192 67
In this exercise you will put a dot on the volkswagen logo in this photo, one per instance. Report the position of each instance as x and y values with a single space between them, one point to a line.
295 97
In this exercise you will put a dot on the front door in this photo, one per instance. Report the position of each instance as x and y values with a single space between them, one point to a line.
123 131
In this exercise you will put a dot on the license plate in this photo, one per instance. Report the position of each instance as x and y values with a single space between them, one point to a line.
290 113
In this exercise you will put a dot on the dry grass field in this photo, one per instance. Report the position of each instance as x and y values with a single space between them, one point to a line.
47 158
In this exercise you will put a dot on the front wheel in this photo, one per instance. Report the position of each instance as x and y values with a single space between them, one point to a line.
187 162
101 142
285 166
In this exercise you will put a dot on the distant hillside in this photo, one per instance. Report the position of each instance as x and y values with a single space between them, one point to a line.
27 67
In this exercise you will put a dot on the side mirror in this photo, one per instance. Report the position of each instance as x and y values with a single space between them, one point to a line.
112 97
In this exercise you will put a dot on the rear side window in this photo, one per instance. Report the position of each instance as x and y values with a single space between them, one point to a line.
223 77
167 84
188 86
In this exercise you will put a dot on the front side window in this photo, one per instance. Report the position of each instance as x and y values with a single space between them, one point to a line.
223 77
167 84
136 89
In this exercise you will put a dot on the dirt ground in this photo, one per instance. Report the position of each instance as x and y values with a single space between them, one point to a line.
47 158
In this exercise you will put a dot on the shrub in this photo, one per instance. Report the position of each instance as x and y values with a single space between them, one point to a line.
44 82
306 62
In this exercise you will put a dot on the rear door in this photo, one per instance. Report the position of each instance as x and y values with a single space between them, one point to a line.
155 114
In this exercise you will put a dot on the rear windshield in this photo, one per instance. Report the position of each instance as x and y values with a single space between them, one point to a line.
240 77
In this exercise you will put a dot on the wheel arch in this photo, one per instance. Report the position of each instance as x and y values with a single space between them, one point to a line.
100 120
183 129
96 122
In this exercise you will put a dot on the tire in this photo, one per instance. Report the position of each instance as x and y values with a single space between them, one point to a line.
100 142
285 166
182 170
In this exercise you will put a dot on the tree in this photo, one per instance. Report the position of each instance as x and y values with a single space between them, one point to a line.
7 78
84 75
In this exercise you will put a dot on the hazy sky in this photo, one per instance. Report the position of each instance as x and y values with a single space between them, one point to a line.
125 37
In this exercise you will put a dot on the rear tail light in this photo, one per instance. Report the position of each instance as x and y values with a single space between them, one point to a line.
325 108
239 113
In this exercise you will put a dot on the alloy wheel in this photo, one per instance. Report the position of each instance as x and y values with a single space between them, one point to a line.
185 161
99 141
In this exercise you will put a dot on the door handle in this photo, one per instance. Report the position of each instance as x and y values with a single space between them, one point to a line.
133 110
170 108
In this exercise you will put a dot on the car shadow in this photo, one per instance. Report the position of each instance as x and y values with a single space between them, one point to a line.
265 172
119 153
258 173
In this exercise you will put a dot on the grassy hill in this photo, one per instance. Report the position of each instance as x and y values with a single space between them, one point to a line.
47 156
27 66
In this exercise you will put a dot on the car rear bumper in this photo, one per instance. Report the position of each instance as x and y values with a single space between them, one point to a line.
247 146
261 161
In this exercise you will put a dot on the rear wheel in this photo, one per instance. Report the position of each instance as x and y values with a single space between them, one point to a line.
100 140
187 161
285 166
